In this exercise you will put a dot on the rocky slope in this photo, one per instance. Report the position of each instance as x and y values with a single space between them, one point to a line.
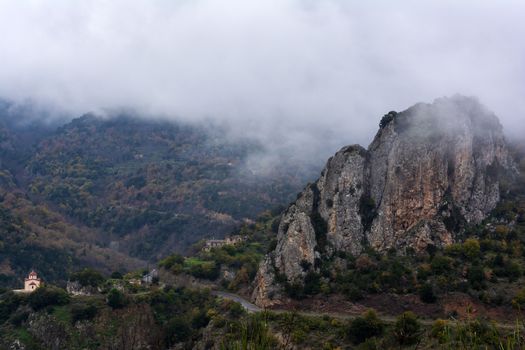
430 171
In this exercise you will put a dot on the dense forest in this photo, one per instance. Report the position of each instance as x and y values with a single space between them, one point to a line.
115 192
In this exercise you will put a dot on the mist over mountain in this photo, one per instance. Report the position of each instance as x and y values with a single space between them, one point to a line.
116 191
292 73
190 174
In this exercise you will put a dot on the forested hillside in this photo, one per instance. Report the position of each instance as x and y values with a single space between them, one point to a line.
111 192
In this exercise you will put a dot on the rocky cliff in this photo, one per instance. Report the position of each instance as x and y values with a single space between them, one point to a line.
430 171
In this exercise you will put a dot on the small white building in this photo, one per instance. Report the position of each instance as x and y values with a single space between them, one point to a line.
31 283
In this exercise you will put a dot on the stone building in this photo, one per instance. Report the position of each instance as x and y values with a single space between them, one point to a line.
217 243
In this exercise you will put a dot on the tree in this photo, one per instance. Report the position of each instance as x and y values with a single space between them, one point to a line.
471 248
116 299
48 296
476 276
117 275
88 277
366 326
407 329
83 312
178 330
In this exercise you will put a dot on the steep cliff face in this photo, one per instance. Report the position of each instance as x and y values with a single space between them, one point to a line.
430 171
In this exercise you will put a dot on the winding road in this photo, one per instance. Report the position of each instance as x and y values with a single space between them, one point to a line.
252 308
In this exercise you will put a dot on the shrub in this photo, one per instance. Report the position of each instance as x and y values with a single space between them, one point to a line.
48 296
116 299
236 310
441 265
519 300
83 312
200 320
426 294
312 283
471 248
423 271
513 271
208 270
294 290
354 294
9 303
178 330
441 331
116 275
364 263
19 316
88 277
406 330
476 276
364 327
171 260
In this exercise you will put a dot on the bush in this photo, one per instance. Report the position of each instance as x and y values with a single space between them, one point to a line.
48 296
441 265
9 303
208 270
471 248
236 310
426 294
200 320
441 331
81 312
116 299
354 294
116 275
519 300
513 271
178 330
476 276
364 327
312 283
171 260
88 277
406 330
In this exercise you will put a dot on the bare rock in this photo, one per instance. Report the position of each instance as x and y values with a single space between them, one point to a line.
429 172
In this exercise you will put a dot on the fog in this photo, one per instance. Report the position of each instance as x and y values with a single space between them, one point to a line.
302 75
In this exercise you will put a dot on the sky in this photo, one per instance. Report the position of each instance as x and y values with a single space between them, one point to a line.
308 74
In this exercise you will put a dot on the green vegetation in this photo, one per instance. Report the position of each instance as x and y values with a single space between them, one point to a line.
47 296
116 299
87 277
365 327
150 181
96 191
241 259
158 317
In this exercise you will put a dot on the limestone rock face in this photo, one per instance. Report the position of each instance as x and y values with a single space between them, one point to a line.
429 171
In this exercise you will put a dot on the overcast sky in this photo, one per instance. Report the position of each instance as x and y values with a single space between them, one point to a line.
278 68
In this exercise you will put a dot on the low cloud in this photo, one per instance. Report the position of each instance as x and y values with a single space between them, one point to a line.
308 75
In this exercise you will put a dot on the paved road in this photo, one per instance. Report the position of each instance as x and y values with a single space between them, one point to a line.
250 307
237 298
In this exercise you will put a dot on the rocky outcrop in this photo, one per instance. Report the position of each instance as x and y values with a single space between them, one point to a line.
75 288
430 171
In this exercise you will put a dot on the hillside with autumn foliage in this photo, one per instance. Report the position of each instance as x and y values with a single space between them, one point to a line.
115 192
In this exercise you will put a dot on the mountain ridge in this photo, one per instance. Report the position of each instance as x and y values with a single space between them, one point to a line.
430 171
